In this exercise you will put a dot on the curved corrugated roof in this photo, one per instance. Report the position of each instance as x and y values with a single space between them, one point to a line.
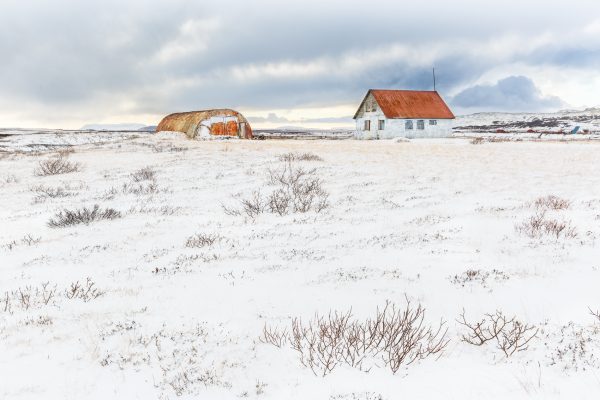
188 122
410 104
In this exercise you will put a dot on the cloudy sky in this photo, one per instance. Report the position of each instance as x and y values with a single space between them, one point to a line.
66 63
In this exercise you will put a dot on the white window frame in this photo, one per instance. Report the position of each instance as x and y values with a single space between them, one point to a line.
409 125
367 125
381 124
421 124
433 122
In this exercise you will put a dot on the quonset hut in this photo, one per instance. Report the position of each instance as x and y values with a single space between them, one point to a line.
208 123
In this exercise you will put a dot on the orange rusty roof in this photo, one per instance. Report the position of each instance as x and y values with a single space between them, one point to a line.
410 104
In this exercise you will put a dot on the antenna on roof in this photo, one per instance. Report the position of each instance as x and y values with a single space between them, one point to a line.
434 79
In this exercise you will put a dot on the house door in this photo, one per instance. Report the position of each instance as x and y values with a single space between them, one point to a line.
243 130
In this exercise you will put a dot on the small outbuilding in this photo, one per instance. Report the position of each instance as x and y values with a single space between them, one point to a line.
387 114
208 123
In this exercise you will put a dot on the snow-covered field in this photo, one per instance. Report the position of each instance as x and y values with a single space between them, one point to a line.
170 300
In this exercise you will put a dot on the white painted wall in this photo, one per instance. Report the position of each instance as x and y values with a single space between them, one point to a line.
396 128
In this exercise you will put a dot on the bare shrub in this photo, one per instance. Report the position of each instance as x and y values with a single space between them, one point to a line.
479 276
254 205
26 240
56 165
29 240
144 174
510 334
574 346
297 191
28 297
83 291
292 156
10 178
552 202
42 192
274 336
538 225
82 216
396 336
140 189
202 240
595 314
477 140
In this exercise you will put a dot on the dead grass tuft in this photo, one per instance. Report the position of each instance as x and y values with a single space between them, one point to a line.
83 291
538 226
552 202
202 240
83 215
57 165
293 156
144 174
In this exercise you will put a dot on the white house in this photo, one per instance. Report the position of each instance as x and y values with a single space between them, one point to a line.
385 114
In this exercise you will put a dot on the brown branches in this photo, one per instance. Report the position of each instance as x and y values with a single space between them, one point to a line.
396 336
83 215
595 314
57 165
296 191
510 334
274 336
85 292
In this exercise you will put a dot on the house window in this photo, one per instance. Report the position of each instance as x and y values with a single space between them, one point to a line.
381 124
420 124
367 125
433 122
408 124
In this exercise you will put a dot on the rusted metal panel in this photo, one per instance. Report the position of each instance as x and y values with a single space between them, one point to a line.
217 129
232 128
188 123
409 104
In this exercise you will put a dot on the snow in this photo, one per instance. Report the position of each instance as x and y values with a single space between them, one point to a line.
405 218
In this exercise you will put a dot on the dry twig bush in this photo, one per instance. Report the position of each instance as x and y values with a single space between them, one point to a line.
573 346
509 334
144 174
140 189
83 215
43 193
293 156
45 294
26 240
395 336
552 202
538 226
28 297
56 165
275 336
478 276
297 191
202 240
83 291
595 314
477 140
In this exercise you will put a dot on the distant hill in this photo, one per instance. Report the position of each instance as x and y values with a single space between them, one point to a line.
565 120
113 127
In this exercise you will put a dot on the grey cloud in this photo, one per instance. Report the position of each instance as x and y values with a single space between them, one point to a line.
69 56
274 118
271 117
514 93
